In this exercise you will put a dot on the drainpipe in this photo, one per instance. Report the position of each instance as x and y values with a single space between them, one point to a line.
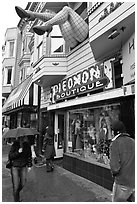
39 122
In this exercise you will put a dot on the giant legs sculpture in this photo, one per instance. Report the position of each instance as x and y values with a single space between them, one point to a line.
73 28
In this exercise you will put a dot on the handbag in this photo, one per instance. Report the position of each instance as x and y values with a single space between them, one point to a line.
9 164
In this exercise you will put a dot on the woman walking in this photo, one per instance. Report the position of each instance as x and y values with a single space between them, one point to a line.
21 160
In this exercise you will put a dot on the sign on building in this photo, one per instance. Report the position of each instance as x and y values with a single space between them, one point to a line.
128 53
94 78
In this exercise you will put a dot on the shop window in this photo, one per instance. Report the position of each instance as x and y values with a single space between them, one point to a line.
19 117
25 120
33 120
13 121
90 132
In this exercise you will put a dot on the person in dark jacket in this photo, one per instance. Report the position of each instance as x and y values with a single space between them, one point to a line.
48 147
21 159
122 164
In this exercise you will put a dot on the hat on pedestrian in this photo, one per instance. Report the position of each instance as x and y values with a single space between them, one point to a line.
118 127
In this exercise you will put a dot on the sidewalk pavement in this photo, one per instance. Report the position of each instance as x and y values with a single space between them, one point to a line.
57 186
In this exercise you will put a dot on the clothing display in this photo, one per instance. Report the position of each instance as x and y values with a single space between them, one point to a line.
90 131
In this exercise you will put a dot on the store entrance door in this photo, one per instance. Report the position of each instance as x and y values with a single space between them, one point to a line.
59 134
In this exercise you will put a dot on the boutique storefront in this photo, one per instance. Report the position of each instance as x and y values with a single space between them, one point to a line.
86 102
84 110
96 88
84 134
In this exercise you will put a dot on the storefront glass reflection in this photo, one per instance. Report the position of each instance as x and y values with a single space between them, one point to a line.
90 132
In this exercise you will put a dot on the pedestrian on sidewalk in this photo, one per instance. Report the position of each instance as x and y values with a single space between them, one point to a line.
5 129
48 148
122 164
21 159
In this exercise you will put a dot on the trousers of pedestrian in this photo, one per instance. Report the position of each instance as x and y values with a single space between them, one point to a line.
49 164
18 175
122 193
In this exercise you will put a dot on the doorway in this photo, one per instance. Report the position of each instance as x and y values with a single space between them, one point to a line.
59 133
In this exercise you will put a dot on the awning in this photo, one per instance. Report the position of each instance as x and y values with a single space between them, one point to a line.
17 95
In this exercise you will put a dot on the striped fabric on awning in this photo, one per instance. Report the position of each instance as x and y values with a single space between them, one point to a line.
17 95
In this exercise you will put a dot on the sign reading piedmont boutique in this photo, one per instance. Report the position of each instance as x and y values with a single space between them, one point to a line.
86 81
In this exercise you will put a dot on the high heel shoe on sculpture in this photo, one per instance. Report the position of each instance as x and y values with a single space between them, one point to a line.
24 14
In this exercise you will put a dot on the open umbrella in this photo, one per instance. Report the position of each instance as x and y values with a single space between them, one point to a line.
20 132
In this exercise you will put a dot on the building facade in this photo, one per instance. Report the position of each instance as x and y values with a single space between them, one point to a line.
89 87
8 65
21 106
85 82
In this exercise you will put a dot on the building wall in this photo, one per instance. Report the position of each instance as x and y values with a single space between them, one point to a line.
111 19
109 27
10 36
80 58
11 33
18 54
97 173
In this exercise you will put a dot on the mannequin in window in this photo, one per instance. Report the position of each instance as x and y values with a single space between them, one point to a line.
25 124
101 145
103 126
105 131
92 138
91 132
76 143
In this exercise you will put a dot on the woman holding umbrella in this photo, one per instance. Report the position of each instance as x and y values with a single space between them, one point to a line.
21 159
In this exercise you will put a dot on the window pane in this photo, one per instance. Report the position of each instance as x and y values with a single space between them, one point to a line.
11 49
9 75
57 42
90 132
57 45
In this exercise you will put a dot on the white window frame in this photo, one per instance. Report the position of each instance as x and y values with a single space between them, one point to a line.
6 75
56 34
11 49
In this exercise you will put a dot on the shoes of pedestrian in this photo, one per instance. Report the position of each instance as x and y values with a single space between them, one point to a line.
49 169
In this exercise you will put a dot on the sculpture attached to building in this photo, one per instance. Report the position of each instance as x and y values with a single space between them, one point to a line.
73 28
